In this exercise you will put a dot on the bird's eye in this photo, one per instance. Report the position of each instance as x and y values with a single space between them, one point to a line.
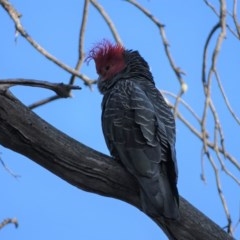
107 67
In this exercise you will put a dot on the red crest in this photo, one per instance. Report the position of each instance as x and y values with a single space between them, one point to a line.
104 49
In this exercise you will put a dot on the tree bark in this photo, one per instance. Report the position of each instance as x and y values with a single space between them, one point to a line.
22 131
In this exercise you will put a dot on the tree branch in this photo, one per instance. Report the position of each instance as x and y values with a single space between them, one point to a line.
62 90
177 70
8 221
15 16
108 21
81 39
24 132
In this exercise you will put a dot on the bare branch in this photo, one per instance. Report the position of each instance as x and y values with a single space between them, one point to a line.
178 72
209 144
8 170
238 222
218 15
61 89
221 195
81 54
79 61
234 115
212 139
43 101
204 63
224 168
185 104
212 7
209 110
207 85
213 145
108 20
234 15
15 16
8 221
88 169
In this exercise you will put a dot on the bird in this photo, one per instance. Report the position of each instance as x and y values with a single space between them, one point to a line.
138 126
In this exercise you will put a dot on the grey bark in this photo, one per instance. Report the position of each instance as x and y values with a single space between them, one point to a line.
22 131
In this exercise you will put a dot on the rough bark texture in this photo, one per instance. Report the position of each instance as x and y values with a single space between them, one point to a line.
24 132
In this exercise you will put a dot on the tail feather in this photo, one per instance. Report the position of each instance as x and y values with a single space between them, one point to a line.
158 197
158 191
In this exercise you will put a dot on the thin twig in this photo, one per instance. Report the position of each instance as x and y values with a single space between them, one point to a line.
178 72
8 221
224 168
203 175
108 20
220 193
218 15
234 15
212 7
217 126
238 221
43 102
9 170
185 104
234 115
179 96
81 41
204 63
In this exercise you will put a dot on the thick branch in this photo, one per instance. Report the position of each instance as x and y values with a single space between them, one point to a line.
24 132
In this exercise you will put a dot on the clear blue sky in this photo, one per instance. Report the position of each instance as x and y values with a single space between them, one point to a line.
46 206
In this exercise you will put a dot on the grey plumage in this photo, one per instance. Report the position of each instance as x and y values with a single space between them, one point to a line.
138 126
139 130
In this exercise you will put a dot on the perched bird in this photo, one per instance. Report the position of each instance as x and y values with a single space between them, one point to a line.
138 126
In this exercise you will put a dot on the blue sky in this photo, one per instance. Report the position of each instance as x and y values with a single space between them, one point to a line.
49 208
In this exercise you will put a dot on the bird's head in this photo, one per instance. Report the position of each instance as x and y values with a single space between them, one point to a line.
108 58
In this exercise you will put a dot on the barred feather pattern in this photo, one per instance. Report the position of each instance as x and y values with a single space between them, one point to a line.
139 129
